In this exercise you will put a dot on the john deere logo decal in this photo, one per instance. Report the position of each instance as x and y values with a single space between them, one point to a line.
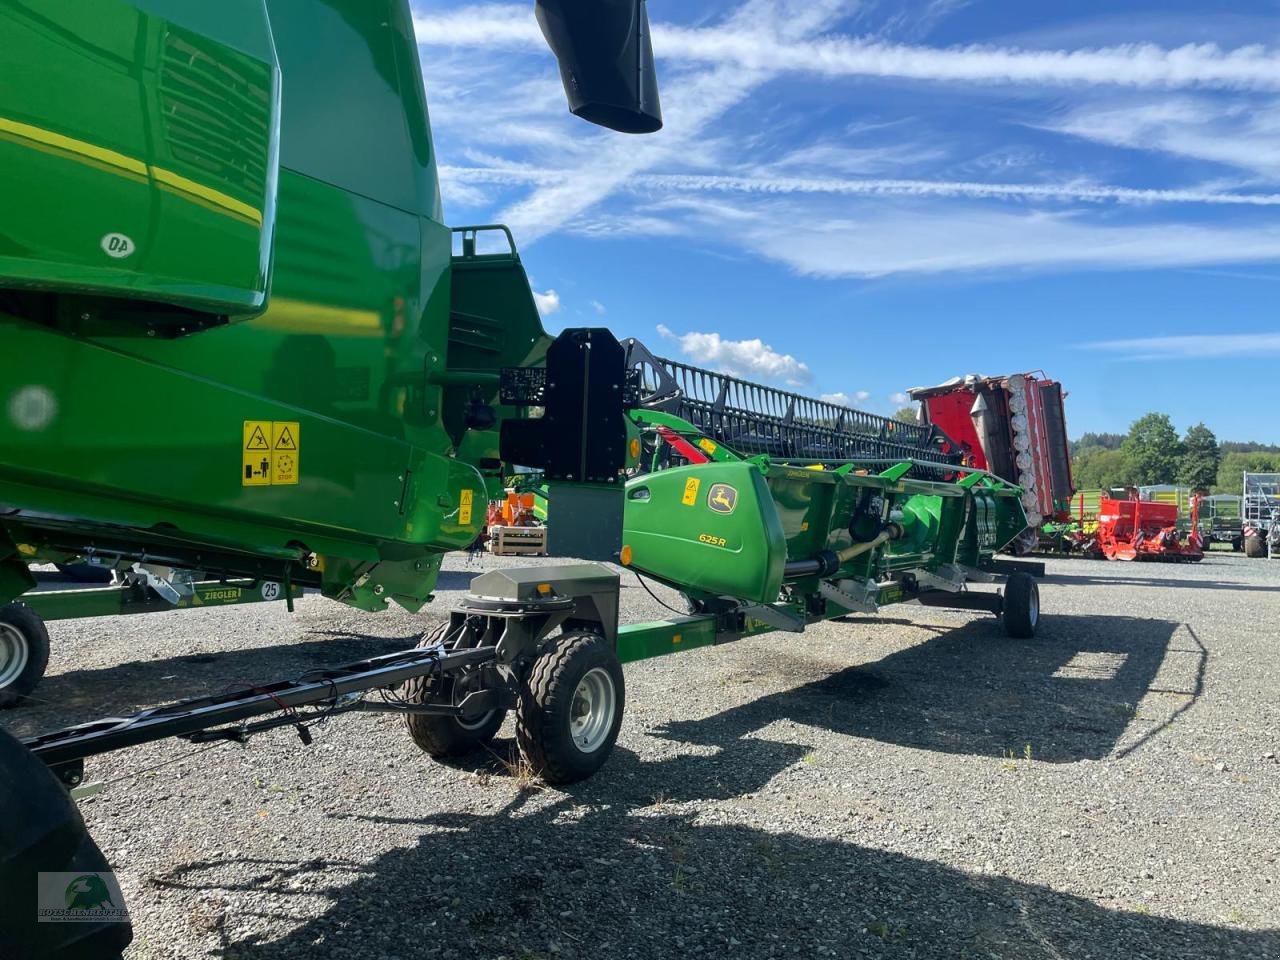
722 498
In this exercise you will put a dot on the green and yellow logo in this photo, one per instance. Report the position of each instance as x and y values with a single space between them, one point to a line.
722 498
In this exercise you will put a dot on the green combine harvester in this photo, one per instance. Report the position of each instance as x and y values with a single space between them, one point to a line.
243 356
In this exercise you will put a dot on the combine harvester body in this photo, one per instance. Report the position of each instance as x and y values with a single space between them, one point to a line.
239 339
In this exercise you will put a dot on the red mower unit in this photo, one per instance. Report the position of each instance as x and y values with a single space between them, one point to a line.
1133 529
1015 427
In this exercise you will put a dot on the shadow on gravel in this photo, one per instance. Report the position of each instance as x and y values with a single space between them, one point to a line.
591 875
1069 695
1074 578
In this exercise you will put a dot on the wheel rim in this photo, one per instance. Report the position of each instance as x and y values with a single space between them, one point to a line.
591 713
1033 607
475 724
461 688
14 654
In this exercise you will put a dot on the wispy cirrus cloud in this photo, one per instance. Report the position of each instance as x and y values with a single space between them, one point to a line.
1245 135
868 187
752 46
882 242
1190 347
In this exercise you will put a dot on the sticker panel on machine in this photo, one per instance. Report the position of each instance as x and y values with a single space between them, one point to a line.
465 502
269 453
690 491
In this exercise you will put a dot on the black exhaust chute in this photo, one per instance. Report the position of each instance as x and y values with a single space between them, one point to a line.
606 61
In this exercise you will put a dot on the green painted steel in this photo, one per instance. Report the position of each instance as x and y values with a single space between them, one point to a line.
112 601
733 527
158 125
677 537
641 641
221 140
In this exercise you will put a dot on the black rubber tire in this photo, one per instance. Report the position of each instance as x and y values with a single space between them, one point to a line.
1237 544
546 703
32 631
1020 611
1255 547
41 831
445 738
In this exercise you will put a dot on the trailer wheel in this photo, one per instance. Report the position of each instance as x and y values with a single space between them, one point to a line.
1237 543
1021 609
24 652
1254 547
444 738
571 707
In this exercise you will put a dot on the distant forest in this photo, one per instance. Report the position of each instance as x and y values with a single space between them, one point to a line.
1152 452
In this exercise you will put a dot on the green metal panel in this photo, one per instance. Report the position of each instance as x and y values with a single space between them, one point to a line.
117 415
111 601
139 152
640 641
677 532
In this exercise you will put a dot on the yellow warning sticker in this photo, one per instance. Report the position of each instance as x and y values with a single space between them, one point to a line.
269 453
690 491
464 507
708 446
284 452
256 462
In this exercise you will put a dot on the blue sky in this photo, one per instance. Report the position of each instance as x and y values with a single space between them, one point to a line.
852 198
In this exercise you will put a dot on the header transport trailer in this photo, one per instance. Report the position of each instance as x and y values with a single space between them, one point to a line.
228 215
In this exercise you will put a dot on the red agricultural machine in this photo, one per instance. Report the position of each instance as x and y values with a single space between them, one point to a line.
1015 427
1134 529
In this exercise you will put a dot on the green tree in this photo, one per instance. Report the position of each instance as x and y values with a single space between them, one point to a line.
1198 468
907 414
1097 468
1233 465
1152 449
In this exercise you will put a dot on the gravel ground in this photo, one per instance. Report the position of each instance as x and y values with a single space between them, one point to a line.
914 785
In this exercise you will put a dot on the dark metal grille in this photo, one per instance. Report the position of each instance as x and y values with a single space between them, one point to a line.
754 419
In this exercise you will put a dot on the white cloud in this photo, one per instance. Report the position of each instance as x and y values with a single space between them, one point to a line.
900 397
740 358
771 44
845 400
884 242
608 161
599 308
547 303
1243 135
1190 347
782 185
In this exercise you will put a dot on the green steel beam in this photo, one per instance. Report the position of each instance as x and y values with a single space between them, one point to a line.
110 601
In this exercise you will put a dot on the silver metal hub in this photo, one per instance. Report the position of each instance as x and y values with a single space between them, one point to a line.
1033 607
591 713
14 654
